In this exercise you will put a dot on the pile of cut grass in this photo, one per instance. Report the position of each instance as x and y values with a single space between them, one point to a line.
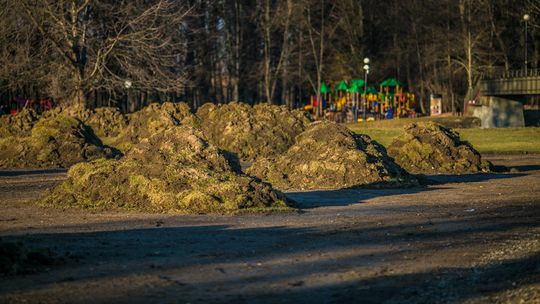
428 147
485 141
251 132
330 156
173 171
54 141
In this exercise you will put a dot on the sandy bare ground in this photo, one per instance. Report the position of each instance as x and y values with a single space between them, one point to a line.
470 238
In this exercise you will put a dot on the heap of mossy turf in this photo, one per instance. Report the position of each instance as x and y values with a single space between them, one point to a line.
431 148
126 130
251 132
330 156
18 125
56 141
152 119
104 121
174 171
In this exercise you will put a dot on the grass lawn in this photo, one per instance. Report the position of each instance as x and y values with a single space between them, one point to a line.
492 141
447 121
512 140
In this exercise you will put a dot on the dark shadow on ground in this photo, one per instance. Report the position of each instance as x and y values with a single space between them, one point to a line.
238 257
500 169
468 178
349 196
346 197
23 172
524 168
444 285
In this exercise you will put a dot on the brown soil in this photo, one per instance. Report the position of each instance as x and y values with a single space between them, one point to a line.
174 171
251 132
330 156
428 147
470 238
55 141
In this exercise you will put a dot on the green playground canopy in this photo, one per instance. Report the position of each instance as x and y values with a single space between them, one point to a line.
390 82
342 86
359 83
354 88
357 86
324 88
372 90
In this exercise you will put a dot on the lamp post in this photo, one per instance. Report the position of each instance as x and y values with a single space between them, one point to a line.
366 68
526 18
127 85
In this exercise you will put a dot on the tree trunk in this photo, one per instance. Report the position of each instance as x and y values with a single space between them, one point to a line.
420 69
237 45
464 10
79 98
267 50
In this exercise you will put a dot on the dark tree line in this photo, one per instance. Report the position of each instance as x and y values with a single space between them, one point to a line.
126 53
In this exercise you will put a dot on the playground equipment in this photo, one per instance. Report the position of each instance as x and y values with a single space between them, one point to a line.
390 101
18 103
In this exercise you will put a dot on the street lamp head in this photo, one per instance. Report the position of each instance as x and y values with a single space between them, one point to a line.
366 67
127 84
366 60
526 17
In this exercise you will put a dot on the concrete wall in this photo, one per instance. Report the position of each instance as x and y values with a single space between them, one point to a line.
499 112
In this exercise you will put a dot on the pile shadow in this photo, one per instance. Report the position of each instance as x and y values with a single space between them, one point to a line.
349 196
166 251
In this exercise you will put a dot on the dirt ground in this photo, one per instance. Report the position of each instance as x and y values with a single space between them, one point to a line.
460 239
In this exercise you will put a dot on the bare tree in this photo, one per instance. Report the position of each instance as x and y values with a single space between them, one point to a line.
475 32
274 18
102 44
20 67
316 19
272 50
348 51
